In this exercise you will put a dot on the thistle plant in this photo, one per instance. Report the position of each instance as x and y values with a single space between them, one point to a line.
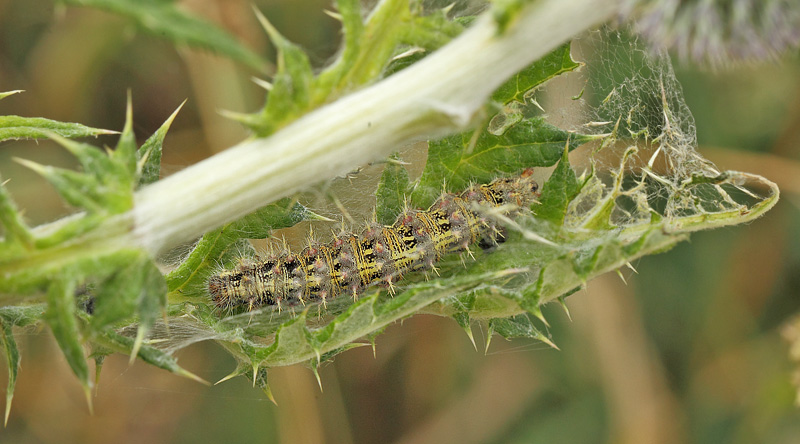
403 74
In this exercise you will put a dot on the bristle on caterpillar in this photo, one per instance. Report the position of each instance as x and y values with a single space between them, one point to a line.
379 255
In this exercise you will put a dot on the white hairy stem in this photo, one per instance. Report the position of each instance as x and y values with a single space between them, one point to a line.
441 94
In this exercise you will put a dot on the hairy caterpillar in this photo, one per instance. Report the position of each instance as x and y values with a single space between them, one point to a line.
380 254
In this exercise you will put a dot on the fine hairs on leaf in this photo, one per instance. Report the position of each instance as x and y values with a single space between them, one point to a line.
619 180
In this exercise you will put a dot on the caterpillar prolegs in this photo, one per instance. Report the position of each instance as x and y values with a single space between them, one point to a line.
380 254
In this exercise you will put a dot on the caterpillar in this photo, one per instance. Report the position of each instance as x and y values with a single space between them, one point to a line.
379 254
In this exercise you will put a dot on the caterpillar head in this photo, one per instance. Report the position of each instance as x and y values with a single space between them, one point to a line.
520 190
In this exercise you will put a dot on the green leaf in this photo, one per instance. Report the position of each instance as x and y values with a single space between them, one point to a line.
559 190
12 360
94 161
291 86
165 19
135 288
16 127
21 316
68 228
15 317
368 47
148 157
107 182
62 317
3 95
125 344
455 161
16 230
521 326
78 190
393 188
124 156
431 31
353 31
555 63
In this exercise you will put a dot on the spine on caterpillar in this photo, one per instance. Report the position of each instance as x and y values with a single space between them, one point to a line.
379 255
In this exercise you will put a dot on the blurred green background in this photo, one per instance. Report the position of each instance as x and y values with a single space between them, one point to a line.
689 351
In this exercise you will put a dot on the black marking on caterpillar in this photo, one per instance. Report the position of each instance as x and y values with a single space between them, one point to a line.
351 263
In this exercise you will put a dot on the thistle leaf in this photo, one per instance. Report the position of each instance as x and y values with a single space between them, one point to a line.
16 230
125 344
12 360
148 157
77 189
557 62
124 155
291 87
520 326
15 317
458 159
3 95
93 160
16 127
62 317
558 192
136 287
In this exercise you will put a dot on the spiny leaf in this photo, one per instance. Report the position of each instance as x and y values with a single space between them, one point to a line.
520 326
16 127
259 378
108 179
93 160
99 360
559 190
148 156
555 63
15 317
3 95
599 217
352 30
124 156
16 230
152 300
68 228
392 191
164 19
21 316
12 361
61 316
368 47
136 287
149 354
431 31
458 159
79 190
463 320
291 87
